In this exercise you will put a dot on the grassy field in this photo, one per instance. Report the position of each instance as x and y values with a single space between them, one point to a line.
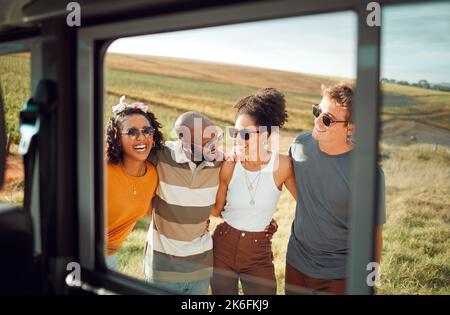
418 217
415 258
175 83
15 83
415 153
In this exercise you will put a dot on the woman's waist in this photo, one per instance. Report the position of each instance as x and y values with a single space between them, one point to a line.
249 213
247 223
252 197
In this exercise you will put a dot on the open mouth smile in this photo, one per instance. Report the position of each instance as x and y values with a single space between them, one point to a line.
140 148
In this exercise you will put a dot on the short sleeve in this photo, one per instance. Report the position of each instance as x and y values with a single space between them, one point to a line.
290 149
153 157
157 183
301 139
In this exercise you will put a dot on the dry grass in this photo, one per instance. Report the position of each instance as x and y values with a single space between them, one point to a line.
416 255
303 84
215 99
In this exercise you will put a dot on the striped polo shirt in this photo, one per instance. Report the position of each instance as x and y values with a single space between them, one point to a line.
179 249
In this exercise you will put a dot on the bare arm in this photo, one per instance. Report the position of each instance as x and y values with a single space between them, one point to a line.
290 180
288 175
378 242
224 179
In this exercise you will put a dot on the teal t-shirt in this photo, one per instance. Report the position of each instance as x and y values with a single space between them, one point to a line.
318 245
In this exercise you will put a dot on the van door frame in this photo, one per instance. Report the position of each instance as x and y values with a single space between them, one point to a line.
92 44
54 196
30 45
91 48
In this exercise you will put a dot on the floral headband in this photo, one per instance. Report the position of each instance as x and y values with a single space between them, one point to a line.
122 106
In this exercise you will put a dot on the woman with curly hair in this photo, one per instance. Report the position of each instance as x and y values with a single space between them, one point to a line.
132 134
248 194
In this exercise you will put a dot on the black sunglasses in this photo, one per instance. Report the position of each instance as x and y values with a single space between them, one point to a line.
243 133
327 120
146 132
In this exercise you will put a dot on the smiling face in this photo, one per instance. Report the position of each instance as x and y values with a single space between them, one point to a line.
336 133
135 147
248 148
200 143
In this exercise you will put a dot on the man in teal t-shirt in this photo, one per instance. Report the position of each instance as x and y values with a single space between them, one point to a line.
318 246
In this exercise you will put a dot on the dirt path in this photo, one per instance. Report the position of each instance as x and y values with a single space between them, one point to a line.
12 192
411 131
14 169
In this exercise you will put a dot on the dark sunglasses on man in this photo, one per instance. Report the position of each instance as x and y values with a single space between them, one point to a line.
134 132
327 120
243 133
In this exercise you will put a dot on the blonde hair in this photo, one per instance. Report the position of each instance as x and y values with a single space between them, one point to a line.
342 94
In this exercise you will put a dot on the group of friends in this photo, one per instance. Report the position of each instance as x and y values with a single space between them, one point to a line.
180 184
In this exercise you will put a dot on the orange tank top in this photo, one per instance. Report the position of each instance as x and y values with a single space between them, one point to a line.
128 200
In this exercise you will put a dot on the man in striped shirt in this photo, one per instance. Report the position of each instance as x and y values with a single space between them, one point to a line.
178 252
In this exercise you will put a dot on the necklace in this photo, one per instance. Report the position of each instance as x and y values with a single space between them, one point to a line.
251 183
135 181
250 186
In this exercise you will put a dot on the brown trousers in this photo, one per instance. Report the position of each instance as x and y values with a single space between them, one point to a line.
245 256
296 282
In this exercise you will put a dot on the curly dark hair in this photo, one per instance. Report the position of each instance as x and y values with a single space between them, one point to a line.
114 151
267 107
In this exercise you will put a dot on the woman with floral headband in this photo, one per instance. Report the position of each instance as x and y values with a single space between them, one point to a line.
131 181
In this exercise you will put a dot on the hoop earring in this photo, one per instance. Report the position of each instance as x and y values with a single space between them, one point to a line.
153 144
349 139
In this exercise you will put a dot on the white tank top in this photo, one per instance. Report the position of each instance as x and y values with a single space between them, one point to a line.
239 212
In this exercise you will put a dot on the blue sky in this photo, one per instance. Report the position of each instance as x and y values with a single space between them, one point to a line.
415 43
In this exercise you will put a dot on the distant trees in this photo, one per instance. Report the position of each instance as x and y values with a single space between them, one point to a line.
384 80
442 87
421 83
424 84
